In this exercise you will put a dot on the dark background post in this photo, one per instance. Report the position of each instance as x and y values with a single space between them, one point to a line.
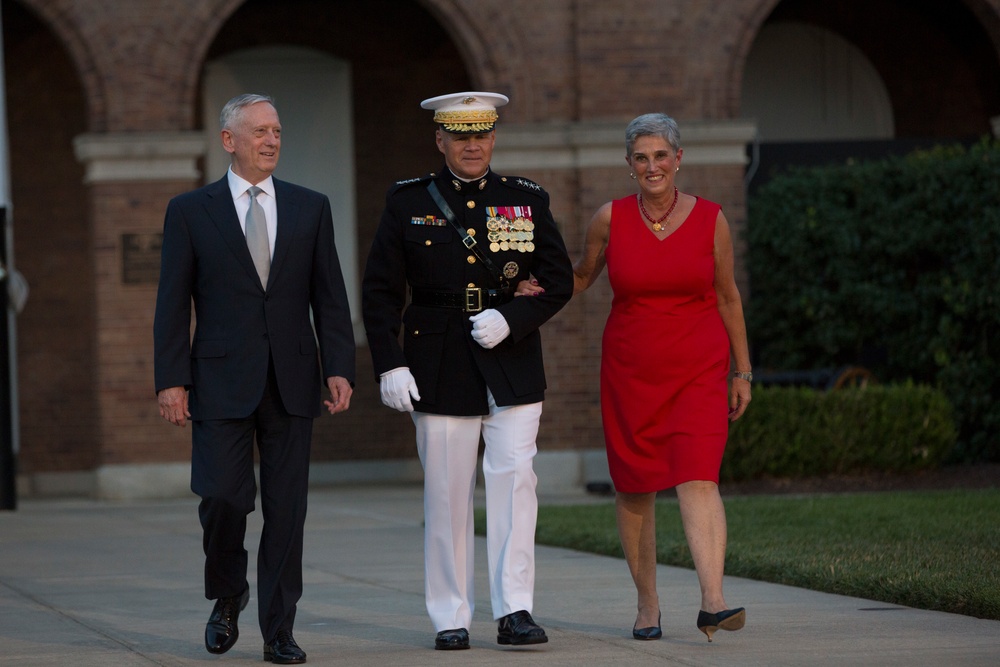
8 462
8 459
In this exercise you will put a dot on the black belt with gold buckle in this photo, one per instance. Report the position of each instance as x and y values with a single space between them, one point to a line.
469 300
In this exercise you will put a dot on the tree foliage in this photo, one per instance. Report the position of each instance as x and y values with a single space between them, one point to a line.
893 264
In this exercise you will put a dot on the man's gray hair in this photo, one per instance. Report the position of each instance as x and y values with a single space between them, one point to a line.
233 109
652 125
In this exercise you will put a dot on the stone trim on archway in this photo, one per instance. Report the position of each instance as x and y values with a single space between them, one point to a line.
149 156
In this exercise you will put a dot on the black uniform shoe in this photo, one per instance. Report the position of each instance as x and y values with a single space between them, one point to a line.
283 650
221 632
452 640
518 629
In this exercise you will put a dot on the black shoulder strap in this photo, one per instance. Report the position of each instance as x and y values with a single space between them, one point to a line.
467 240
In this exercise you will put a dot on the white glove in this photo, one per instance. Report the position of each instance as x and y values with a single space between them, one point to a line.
396 387
489 328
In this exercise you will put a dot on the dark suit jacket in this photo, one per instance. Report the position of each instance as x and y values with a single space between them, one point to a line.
238 325
414 245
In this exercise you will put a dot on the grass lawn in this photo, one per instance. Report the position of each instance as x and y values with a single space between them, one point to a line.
927 549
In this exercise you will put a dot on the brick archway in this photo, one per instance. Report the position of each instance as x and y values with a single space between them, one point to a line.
56 336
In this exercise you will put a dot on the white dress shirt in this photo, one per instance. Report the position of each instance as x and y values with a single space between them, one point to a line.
241 199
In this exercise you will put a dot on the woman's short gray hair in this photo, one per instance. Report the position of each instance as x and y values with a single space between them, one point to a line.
233 109
652 125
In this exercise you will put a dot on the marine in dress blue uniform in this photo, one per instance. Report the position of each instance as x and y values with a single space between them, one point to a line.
452 346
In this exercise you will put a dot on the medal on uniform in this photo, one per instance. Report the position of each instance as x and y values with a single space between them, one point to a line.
510 269
510 228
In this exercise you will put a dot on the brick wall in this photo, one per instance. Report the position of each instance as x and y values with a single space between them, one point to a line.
131 430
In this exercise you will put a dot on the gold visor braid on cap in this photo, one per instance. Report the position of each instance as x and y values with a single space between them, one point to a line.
466 113
469 119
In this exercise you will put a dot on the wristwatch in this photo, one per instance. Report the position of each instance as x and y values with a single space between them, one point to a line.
744 375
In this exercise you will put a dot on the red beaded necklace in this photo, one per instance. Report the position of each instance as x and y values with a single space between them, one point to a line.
656 223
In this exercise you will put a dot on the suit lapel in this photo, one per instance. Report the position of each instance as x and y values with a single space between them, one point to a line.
288 220
219 205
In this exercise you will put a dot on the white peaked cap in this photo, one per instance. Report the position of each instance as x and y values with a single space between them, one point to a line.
464 113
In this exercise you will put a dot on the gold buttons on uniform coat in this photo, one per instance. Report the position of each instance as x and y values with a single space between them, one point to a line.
471 259
427 242
472 284
470 204
470 231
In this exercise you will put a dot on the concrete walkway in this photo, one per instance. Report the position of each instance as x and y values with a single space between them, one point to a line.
89 583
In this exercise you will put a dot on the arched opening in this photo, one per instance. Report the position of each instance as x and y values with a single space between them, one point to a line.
380 57
804 82
52 241
312 91
932 63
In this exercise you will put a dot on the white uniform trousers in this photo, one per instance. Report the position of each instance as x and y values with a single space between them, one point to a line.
448 449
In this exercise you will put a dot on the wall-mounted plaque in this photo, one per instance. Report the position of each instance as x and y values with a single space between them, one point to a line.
141 258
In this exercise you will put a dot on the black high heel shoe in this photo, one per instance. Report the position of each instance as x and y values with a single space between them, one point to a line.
652 632
728 619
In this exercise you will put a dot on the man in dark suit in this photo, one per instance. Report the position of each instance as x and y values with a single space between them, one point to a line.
471 359
256 256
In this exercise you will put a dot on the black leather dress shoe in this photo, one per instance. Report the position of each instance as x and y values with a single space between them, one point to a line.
283 650
518 629
452 640
221 632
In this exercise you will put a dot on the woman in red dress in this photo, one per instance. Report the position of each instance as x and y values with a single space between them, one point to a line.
676 322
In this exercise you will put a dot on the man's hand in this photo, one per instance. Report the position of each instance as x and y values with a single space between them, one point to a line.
489 328
340 394
173 403
397 388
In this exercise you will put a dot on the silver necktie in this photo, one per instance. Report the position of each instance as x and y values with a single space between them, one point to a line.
256 230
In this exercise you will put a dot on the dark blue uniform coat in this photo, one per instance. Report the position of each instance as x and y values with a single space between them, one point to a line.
416 247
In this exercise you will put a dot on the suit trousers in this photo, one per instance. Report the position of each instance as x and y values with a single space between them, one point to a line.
222 473
448 448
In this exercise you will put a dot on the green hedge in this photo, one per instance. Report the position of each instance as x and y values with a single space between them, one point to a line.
801 432
893 265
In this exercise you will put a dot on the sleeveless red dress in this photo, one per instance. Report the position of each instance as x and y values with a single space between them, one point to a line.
665 353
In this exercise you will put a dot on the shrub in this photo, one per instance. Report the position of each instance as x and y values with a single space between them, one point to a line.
891 264
802 432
